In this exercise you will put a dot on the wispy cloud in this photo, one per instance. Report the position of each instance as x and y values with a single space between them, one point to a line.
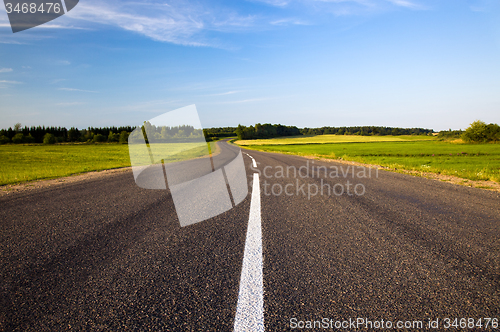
12 42
6 84
342 6
190 22
158 21
289 21
223 94
277 3
405 3
5 70
63 62
77 90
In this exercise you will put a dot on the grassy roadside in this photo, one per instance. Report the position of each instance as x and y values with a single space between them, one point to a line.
467 161
22 163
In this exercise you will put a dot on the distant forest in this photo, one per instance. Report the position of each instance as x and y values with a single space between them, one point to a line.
51 135
269 131
60 134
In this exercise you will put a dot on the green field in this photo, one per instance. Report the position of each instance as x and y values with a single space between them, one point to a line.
321 139
468 161
22 163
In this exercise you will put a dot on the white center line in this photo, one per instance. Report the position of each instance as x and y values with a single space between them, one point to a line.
250 307
253 160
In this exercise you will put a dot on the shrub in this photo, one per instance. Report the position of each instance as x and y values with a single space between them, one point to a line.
18 138
480 132
123 137
113 137
98 138
4 139
49 139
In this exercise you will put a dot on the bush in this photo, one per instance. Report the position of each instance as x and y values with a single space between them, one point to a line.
49 139
4 139
98 138
113 137
124 137
18 138
480 132
450 134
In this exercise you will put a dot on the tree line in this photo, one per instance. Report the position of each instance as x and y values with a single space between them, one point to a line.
268 131
366 131
265 130
51 135
478 132
157 134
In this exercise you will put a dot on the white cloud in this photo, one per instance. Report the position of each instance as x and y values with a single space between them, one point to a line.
76 90
405 3
186 22
5 70
162 22
223 94
10 82
13 42
289 21
276 3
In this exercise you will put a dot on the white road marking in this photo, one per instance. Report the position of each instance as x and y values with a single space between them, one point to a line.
253 160
250 307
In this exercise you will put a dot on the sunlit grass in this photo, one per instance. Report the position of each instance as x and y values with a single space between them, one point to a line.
315 139
21 163
468 161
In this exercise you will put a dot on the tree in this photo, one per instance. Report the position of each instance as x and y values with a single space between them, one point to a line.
480 132
73 134
113 137
17 127
18 138
4 139
29 139
98 138
123 137
48 138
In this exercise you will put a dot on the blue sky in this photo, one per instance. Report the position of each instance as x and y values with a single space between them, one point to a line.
308 63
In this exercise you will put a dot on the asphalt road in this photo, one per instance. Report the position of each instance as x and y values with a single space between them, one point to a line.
106 255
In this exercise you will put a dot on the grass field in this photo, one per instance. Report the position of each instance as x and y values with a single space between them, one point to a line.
22 163
321 139
468 161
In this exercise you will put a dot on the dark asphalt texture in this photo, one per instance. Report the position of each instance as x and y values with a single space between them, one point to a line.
106 255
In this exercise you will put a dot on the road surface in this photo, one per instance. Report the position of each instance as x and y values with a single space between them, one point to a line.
106 255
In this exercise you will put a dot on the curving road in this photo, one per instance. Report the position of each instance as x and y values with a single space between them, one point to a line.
106 255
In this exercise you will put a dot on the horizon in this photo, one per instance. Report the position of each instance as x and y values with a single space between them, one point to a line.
303 63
